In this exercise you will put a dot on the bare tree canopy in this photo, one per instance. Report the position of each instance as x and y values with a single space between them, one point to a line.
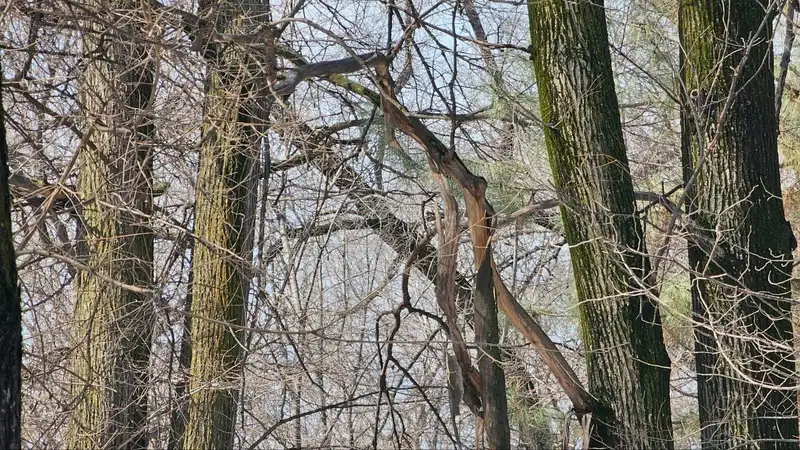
403 224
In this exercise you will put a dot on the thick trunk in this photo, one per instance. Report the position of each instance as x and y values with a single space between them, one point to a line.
225 195
113 324
628 365
10 311
740 286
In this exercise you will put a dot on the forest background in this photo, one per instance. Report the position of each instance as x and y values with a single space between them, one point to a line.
399 224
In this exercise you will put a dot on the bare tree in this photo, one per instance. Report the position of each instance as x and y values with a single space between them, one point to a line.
353 226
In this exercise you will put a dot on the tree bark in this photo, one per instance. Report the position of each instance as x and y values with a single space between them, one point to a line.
235 119
113 325
493 378
627 362
740 287
10 311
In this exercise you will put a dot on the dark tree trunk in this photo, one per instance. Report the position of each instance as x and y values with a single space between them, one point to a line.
628 366
493 379
10 311
741 250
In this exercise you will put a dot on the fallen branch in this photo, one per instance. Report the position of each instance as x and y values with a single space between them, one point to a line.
297 75
480 214
449 231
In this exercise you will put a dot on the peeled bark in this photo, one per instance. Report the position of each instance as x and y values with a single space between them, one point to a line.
740 286
446 162
235 118
480 214
113 324
627 362
10 312
404 239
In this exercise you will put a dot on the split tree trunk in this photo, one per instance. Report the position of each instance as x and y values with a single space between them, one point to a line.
479 211
740 283
628 366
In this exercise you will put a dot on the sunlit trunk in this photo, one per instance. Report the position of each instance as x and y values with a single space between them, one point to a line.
113 319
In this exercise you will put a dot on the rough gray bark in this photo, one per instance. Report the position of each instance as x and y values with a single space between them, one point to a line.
236 113
628 366
740 286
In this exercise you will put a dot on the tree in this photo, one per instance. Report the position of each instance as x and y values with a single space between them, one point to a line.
114 310
235 118
10 311
332 288
741 251
628 366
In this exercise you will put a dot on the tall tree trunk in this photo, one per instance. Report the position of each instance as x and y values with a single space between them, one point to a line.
741 251
10 311
113 315
628 365
235 117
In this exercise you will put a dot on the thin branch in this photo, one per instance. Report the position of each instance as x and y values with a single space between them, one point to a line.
788 42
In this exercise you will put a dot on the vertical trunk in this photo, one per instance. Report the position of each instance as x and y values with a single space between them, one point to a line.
493 379
628 365
10 311
741 250
113 323
181 411
226 194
